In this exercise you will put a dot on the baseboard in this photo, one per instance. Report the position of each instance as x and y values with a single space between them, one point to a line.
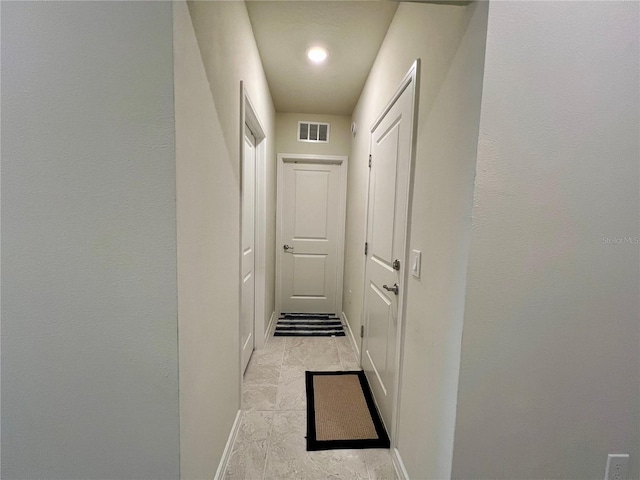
398 465
228 448
352 337
267 332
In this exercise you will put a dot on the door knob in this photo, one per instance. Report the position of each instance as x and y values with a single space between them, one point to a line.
287 247
395 289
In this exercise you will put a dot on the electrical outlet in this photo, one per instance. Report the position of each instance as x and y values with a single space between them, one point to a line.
617 466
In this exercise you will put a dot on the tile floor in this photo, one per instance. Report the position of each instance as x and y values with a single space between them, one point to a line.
271 442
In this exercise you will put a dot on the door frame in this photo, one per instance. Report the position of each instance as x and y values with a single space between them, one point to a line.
340 160
249 117
412 76
249 161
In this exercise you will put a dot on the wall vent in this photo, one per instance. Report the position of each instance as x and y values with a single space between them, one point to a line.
313 132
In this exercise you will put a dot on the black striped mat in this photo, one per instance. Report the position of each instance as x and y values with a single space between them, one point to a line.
309 325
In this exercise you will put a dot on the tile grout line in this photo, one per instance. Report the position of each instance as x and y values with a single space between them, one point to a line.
269 437
335 343
273 412
366 464
284 347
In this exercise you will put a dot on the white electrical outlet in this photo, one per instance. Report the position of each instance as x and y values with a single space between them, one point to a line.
617 466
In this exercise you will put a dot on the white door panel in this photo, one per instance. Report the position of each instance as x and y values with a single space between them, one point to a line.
309 275
247 308
386 237
311 205
379 316
383 213
309 220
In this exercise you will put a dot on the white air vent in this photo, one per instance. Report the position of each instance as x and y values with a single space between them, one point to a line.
313 132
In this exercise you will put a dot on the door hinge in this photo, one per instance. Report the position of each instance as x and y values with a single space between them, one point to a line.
366 248
369 161
361 331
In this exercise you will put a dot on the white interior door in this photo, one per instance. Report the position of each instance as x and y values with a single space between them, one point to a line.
311 209
387 212
247 309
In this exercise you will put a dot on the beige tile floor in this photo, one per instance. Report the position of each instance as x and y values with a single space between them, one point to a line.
271 442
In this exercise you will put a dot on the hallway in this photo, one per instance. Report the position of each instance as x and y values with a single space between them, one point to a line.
271 439
122 185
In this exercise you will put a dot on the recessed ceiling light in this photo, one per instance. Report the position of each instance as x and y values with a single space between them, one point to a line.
317 54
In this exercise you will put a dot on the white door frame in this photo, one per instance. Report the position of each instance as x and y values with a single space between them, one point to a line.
413 75
313 159
249 117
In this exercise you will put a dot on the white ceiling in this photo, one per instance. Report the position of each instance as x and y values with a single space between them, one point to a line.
352 32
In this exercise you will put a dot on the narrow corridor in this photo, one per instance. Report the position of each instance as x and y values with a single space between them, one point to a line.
271 440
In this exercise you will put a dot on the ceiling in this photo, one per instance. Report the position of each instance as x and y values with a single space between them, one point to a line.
352 32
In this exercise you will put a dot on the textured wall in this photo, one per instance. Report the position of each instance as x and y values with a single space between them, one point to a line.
89 331
450 42
214 49
550 361
287 134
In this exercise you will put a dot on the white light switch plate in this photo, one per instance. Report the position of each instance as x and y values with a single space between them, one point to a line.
416 261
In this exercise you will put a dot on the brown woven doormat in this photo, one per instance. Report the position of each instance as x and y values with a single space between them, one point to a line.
341 412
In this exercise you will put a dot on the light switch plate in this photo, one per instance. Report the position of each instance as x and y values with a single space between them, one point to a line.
415 263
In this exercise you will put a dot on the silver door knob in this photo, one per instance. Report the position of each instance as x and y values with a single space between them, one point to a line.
395 289
287 247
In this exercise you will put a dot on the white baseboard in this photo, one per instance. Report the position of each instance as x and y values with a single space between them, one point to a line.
228 448
267 332
398 465
352 337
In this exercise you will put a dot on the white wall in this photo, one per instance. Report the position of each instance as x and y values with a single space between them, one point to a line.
550 359
450 42
287 134
89 332
230 54
214 49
